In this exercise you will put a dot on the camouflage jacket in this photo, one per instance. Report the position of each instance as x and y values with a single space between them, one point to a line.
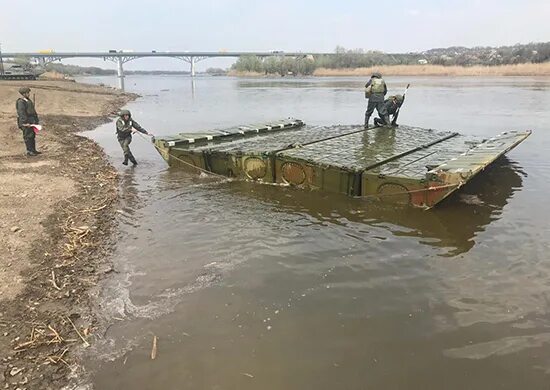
26 113
391 105
124 129
377 96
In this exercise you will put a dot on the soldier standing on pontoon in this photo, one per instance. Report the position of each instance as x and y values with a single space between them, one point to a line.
375 90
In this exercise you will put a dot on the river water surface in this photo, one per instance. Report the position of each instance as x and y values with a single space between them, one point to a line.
251 286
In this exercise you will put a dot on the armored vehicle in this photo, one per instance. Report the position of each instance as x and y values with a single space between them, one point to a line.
16 72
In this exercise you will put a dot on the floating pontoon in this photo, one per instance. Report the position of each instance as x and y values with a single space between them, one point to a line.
406 165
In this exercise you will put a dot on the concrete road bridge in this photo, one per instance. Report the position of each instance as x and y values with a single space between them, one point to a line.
122 57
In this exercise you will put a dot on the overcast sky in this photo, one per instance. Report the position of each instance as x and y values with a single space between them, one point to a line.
246 25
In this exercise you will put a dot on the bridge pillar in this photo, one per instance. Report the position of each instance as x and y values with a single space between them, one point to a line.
192 62
120 61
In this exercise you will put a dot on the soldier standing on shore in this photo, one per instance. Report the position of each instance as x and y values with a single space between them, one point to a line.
125 126
26 118
375 90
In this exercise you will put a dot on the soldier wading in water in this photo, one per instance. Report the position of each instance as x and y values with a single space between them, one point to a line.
125 126
375 90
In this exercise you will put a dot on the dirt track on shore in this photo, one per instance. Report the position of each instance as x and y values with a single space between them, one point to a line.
56 221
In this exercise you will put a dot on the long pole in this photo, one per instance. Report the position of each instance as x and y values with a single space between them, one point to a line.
404 93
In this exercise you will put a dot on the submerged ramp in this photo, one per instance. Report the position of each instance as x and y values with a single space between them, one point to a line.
406 165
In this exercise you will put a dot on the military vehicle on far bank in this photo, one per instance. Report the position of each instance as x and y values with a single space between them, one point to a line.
18 72
21 69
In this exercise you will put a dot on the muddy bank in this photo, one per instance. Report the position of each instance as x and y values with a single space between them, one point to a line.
56 221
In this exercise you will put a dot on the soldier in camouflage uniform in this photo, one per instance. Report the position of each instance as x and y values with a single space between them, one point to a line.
375 90
26 117
125 126
392 105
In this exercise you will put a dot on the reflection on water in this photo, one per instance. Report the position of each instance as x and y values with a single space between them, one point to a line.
252 286
451 228
381 142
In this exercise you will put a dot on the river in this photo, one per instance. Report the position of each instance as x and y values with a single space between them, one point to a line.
250 286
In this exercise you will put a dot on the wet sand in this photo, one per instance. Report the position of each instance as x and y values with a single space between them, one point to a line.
56 218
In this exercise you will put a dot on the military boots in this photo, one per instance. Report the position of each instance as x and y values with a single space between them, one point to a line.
132 159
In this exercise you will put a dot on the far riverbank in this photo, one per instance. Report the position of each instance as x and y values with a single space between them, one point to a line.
542 69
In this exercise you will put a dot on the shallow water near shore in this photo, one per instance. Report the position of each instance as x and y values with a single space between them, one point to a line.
251 286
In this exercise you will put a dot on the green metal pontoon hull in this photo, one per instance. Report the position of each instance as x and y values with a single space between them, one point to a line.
405 165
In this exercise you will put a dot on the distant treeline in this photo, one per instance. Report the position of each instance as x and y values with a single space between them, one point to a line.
275 65
359 58
75 70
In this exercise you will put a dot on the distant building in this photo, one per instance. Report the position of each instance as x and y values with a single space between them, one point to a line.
422 61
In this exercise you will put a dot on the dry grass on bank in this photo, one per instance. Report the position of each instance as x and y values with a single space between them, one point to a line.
439 70
54 76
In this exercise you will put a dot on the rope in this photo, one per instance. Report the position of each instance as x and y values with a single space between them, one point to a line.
182 161
415 191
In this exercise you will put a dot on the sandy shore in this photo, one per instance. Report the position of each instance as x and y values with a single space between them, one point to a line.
56 220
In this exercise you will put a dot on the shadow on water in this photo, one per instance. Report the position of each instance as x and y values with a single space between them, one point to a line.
452 226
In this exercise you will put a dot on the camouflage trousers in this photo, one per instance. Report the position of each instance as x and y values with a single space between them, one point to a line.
379 108
125 145
30 138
